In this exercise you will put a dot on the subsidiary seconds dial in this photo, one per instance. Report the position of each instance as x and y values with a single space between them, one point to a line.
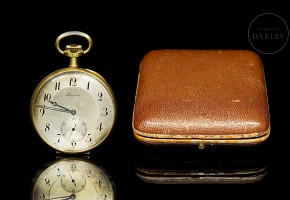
73 129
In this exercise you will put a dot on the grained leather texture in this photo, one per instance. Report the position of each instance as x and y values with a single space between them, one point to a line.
213 95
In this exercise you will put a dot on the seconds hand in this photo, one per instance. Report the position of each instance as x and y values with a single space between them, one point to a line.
72 130
72 179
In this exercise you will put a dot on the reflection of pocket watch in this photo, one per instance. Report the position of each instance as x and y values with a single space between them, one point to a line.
73 178
73 109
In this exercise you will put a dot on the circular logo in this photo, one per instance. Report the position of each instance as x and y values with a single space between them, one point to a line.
268 33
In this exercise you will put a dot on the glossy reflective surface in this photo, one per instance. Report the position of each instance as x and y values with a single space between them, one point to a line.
156 172
221 169
121 39
72 178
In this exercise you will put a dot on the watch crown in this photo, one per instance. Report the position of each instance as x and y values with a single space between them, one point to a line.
73 50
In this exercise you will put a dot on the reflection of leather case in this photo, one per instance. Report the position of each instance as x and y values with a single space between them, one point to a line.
201 97
208 169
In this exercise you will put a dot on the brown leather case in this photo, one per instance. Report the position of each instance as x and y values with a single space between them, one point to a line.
201 97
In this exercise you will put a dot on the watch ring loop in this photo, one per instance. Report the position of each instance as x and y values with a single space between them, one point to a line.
70 33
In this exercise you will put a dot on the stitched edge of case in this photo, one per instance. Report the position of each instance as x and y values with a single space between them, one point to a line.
202 140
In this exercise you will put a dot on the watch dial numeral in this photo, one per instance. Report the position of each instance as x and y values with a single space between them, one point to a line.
88 171
58 174
88 139
58 140
100 127
47 182
100 95
73 82
104 196
88 85
47 127
100 183
105 112
47 97
41 110
57 85
73 166
73 143
39 196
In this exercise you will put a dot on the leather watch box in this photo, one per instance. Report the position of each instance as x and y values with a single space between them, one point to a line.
201 97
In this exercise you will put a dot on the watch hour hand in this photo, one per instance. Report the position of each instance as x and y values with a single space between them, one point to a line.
70 197
55 109
54 103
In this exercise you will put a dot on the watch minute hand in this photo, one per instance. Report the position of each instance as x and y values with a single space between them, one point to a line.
54 103
60 198
55 109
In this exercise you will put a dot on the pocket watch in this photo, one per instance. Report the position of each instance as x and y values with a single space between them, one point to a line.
73 178
73 109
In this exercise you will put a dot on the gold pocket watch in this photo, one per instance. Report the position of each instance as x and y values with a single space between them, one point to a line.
73 178
73 109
